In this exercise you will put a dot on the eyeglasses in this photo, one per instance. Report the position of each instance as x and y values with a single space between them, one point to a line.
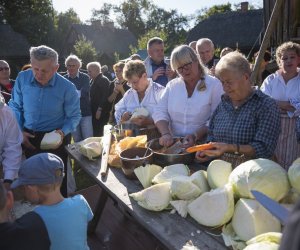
186 66
4 68
71 66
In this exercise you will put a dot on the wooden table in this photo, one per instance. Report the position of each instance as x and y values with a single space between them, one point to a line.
171 230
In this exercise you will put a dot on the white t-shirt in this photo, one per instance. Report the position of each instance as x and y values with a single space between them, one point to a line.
187 114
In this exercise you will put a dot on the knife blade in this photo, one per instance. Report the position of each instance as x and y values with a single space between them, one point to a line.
272 206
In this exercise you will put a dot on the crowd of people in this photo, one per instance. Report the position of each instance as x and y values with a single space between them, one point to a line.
193 94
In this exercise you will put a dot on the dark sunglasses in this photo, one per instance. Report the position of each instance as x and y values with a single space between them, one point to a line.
4 68
186 66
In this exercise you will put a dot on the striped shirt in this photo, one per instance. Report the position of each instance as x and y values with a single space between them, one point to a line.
255 123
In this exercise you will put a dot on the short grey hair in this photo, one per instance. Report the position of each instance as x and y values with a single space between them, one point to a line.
154 40
95 65
233 61
205 40
42 53
184 54
73 58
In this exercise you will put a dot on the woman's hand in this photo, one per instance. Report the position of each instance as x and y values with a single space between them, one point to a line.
219 149
189 141
166 140
285 106
126 116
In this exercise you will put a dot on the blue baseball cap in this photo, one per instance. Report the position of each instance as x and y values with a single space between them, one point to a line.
40 169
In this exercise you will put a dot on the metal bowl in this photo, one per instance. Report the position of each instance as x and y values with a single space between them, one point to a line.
132 158
163 159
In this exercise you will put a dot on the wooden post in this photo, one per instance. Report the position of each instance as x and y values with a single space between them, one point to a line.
266 39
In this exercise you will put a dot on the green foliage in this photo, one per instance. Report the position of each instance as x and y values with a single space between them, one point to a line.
85 50
63 24
32 18
103 14
205 13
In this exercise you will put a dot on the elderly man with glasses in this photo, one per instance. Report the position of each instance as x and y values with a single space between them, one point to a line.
82 84
6 84
44 101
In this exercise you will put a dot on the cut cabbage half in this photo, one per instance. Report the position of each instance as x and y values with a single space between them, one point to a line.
213 208
50 140
251 219
155 198
183 188
146 174
169 172
199 178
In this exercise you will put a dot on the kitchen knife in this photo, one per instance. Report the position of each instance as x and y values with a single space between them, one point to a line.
272 206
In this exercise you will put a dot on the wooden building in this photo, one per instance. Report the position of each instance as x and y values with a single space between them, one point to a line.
287 26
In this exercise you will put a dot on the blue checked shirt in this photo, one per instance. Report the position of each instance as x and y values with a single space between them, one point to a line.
255 123
45 108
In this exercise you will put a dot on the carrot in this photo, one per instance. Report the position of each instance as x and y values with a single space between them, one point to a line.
201 147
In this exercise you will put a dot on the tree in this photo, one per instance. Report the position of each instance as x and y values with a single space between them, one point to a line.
205 13
63 24
103 14
85 50
32 18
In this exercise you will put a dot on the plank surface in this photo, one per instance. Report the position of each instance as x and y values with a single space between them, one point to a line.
171 230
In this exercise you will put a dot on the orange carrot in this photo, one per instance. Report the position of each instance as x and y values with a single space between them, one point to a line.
201 147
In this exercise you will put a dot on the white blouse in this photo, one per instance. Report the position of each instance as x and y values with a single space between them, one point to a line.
187 114
275 87
130 100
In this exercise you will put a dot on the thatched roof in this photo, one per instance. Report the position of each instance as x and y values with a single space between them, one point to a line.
106 39
12 44
230 28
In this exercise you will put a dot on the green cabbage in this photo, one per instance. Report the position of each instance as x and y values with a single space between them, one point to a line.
155 198
262 246
294 175
146 174
251 219
213 208
199 178
181 207
262 175
169 172
50 140
91 147
183 188
218 173
274 237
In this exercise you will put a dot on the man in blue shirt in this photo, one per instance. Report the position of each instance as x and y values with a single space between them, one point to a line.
44 101
82 84
156 66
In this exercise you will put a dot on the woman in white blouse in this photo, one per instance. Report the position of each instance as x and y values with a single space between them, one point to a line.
143 93
284 87
188 101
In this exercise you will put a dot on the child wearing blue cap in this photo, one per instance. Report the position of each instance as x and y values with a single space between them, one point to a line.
27 233
66 219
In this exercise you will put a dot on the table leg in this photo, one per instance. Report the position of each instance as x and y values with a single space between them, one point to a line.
98 211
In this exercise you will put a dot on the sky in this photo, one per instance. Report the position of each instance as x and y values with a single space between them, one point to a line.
84 7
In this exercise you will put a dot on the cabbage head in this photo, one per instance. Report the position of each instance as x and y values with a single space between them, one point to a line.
294 175
262 175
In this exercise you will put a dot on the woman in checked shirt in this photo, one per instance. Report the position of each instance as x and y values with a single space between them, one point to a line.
246 124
